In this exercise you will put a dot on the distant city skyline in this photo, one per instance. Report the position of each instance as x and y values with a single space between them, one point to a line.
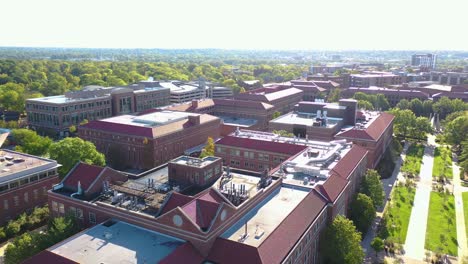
242 24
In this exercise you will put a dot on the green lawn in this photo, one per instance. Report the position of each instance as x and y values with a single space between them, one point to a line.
398 213
412 163
442 162
441 231
465 209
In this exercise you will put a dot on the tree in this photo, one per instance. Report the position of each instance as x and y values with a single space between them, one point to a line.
417 107
403 104
276 115
283 133
362 212
209 149
340 243
407 124
427 107
30 142
372 186
456 131
377 244
446 106
334 95
69 151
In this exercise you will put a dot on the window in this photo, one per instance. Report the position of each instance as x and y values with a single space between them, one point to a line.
54 206
13 185
72 211
44 190
33 178
42 175
79 213
16 200
5 204
24 181
3 188
36 194
61 208
92 218
26 197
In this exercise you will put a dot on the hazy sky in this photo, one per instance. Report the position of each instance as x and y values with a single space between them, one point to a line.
238 24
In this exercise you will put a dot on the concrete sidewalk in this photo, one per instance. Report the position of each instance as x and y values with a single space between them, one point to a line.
416 236
459 213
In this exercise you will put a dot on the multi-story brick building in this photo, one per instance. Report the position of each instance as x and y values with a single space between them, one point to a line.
380 79
185 92
236 220
195 171
55 114
24 181
149 140
373 131
283 100
247 150
317 120
393 95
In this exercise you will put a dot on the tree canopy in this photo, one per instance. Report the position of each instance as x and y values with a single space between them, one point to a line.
341 243
362 212
372 186
69 151
209 149
406 124
30 142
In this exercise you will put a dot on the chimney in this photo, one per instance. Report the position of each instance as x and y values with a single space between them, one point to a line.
195 104
194 119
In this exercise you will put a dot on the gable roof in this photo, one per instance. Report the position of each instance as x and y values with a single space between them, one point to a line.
201 212
373 131
83 173
263 145
231 252
175 200
46 256
278 244
184 253
349 162
332 187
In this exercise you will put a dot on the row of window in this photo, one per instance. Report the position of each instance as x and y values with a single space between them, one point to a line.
76 212
26 198
249 154
26 180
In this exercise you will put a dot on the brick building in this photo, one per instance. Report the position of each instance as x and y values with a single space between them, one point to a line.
236 220
374 132
317 120
24 181
283 100
393 95
55 114
149 140
195 171
380 79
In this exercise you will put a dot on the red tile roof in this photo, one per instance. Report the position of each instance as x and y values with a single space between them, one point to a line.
212 196
48 257
373 131
175 200
332 187
262 145
83 173
276 246
350 161
185 253
201 212
231 252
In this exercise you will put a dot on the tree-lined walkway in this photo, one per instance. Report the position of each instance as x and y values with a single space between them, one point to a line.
416 237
